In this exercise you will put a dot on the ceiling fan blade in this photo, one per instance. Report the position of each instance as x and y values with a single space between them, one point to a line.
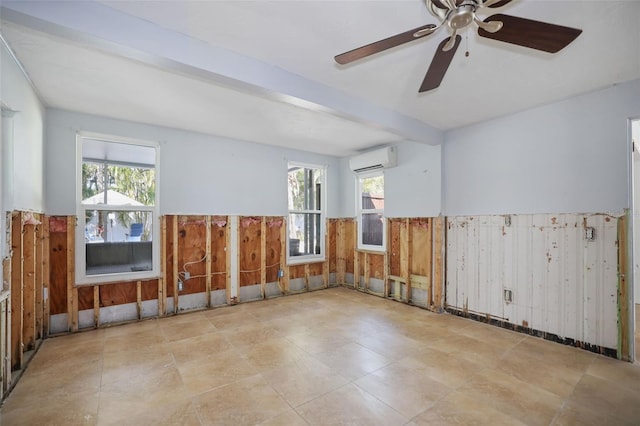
439 4
381 45
439 65
532 34
496 3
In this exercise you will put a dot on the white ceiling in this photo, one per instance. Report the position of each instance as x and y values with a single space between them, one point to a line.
263 71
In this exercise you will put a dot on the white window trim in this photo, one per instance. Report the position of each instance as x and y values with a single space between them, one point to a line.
81 276
360 211
310 258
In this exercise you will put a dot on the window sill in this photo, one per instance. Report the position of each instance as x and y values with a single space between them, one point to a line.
116 278
371 251
301 260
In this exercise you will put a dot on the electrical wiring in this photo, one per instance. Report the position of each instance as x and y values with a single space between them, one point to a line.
256 270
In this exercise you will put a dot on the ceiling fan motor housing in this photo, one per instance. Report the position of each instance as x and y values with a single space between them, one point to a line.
461 17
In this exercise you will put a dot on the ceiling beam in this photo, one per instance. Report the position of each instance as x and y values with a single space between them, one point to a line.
100 27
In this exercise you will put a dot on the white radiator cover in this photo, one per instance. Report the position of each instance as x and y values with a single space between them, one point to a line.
561 283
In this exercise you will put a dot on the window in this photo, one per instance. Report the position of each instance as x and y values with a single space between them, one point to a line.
117 208
306 213
371 223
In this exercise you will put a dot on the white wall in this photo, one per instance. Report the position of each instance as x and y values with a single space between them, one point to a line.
26 183
412 189
199 174
561 283
570 156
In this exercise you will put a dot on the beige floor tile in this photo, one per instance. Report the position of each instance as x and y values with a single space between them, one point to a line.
151 325
304 379
473 350
180 413
187 329
53 409
249 335
135 341
391 346
289 361
226 367
320 340
584 415
127 365
623 374
352 360
505 393
125 399
405 386
349 405
230 317
271 354
457 409
558 380
61 378
200 347
608 398
446 369
245 402
288 418
553 353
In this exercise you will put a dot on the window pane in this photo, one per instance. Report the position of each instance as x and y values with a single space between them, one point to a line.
117 185
372 229
304 234
304 188
118 241
373 193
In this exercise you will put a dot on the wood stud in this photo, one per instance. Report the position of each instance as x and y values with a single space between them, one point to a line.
176 298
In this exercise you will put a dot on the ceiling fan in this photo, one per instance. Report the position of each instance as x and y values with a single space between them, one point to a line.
459 14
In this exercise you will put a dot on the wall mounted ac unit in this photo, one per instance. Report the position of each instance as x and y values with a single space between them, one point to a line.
374 160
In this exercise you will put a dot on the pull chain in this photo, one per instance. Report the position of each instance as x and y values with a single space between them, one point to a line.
466 36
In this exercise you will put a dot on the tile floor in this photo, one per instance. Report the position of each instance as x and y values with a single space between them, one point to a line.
329 357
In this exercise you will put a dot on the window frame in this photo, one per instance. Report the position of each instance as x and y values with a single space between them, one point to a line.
81 277
309 258
360 211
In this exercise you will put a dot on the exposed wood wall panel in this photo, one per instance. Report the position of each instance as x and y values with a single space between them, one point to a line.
296 271
333 247
376 266
349 245
192 253
150 290
85 297
118 293
274 247
58 265
394 246
249 251
169 277
40 273
16 291
315 269
29 287
219 229
421 240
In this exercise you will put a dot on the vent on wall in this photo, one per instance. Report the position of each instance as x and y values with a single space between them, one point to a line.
374 160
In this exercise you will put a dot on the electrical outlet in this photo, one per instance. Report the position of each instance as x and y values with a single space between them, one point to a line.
187 275
508 295
590 233
280 273
179 285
